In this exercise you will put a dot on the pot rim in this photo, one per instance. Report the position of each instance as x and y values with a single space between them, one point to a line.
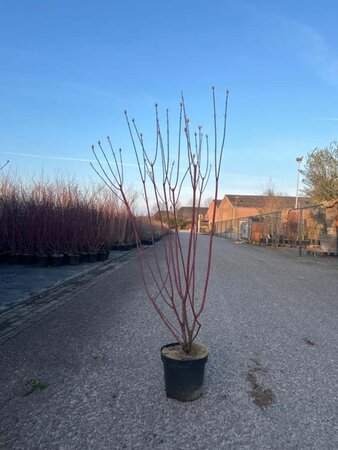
188 360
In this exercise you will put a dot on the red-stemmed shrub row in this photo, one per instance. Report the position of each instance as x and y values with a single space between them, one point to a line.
48 218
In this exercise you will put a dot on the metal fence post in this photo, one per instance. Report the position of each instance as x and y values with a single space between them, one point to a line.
300 231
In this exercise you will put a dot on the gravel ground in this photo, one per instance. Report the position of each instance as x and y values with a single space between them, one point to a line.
271 379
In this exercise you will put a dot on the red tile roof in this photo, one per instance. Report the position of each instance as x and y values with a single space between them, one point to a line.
259 201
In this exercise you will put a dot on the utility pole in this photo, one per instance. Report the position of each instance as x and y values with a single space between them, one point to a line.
298 160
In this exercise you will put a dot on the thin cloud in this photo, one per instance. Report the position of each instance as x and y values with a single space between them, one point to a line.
311 46
331 119
318 53
308 44
61 158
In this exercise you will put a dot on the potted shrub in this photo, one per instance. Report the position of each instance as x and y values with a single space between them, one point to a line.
56 243
171 282
41 238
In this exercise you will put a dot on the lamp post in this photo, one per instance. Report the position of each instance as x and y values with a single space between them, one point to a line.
298 160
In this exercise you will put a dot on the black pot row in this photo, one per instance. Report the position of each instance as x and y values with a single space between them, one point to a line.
289 242
71 259
54 260
132 245
123 247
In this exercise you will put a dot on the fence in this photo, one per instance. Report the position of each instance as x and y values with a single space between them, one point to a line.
312 227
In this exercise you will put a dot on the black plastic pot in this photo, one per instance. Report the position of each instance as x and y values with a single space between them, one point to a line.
73 260
14 258
28 259
83 258
56 260
103 256
124 247
42 260
183 378
92 257
147 242
3 257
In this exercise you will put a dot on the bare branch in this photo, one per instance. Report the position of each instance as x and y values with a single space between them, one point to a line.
173 277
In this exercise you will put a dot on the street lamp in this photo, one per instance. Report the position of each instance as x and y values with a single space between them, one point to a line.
298 160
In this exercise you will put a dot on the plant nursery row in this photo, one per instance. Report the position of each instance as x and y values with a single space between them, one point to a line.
59 222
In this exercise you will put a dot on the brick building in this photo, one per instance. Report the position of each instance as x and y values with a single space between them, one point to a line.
239 206
186 212
211 209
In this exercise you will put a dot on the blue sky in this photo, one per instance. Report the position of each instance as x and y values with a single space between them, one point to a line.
69 69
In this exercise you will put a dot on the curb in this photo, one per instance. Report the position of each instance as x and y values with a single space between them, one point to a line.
31 309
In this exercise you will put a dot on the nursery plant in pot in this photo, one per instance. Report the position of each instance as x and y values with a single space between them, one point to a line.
56 249
171 270
71 256
41 237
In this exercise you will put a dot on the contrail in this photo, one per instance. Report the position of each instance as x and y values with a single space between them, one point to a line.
61 158
332 119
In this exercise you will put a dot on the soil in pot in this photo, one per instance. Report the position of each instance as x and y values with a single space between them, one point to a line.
184 373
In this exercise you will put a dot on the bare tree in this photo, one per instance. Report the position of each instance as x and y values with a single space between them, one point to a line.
175 298
273 200
207 201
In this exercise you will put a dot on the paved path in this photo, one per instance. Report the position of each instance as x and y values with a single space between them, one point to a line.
271 380
19 283
21 312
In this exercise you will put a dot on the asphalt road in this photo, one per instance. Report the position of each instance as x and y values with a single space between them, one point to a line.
271 325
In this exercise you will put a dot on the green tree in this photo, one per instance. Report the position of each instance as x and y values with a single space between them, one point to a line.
321 174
